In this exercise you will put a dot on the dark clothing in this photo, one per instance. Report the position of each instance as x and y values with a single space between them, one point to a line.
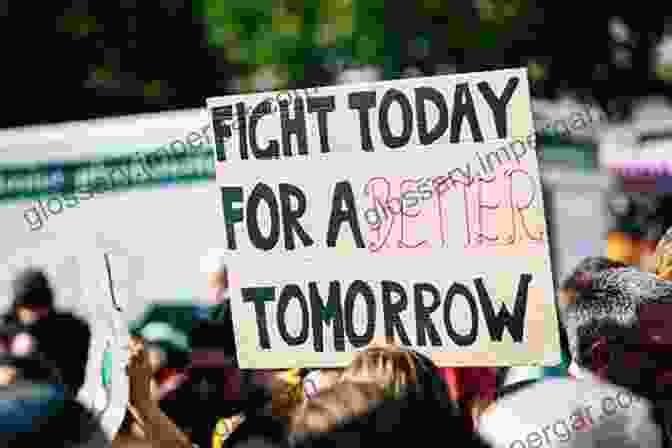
31 288
42 415
64 340
19 349
395 423
221 322
432 389
514 387
259 426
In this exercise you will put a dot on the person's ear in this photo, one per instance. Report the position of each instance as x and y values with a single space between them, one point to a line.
600 356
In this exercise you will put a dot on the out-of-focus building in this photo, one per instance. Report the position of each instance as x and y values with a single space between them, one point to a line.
639 156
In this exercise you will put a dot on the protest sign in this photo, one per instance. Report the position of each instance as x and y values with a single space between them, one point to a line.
409 209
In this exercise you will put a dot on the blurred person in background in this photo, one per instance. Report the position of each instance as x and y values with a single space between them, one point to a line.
391 368
21 360
168 356
581 277
334 406
164 329
568 413
619 331
40 414
403 372
431 388
363 414
264 411
515 378
37 407
217 335
145 424
63 338
240 387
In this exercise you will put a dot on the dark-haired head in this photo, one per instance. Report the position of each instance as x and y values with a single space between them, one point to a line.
361 414
32 294
619 329
398 369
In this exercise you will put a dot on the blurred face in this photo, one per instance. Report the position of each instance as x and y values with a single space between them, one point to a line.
28 315
8 375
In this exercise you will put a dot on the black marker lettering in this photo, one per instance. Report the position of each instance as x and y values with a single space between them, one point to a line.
363 101
423 94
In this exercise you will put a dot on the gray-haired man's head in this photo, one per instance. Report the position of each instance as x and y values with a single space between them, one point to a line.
619 328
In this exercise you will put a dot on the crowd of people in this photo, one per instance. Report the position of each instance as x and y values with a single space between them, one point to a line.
612 389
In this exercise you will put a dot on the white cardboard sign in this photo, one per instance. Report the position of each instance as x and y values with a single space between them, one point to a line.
410 209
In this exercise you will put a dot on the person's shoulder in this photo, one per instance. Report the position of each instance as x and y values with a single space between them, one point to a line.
562 392
72 321
37 412
68 316
572 403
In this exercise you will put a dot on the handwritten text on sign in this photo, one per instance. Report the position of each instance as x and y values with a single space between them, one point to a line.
477 288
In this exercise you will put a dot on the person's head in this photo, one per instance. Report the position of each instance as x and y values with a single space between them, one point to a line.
664 256
33 297
360 414
166 345
402 372
387 366
215 268
333 407
619 328
581 277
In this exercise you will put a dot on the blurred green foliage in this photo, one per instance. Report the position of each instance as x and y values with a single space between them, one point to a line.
291 36
113 58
